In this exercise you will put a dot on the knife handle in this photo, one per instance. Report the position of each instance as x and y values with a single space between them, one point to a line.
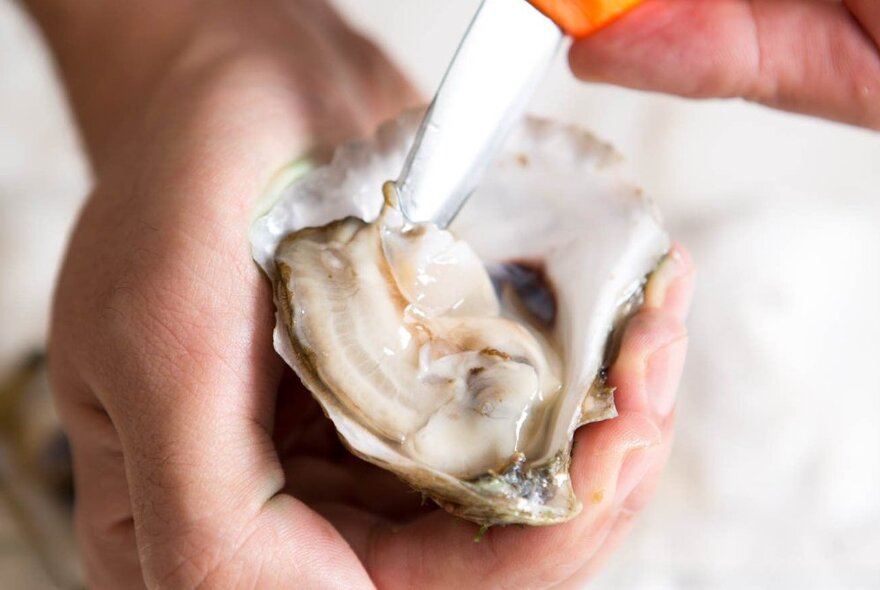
579 18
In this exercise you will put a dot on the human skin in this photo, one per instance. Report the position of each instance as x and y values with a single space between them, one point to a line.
199 460
816 57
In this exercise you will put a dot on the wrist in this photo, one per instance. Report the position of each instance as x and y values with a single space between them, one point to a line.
111 55
142 77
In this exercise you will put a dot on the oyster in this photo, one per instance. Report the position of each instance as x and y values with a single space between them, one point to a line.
463 360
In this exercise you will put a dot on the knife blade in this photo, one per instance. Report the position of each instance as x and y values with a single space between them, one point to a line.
502 59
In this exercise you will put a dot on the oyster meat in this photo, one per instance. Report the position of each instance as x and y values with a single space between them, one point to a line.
463 360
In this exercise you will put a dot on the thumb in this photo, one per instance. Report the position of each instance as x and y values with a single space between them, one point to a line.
808 56
203 475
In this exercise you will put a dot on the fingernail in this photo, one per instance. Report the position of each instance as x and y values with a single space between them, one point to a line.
662 287
662 375
634 469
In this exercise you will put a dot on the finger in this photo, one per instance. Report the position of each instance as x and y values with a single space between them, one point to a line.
626 515
610 460
809 56
102 510
867 13
648 367
190 385
203 485
649 381
623 524
104 525
671 286
204 480
438 550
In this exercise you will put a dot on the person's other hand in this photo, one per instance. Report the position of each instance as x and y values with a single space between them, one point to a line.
816 57
199 460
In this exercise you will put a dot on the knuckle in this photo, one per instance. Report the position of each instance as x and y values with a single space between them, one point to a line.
105 548
147 327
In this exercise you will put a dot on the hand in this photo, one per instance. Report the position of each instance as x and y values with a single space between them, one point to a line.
616 466
161 343
809 56
198 459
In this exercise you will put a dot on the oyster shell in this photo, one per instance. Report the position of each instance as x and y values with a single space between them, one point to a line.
463 360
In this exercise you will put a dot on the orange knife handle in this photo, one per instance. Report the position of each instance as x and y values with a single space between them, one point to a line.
581 17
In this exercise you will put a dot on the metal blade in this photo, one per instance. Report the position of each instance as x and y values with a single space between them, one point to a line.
499 64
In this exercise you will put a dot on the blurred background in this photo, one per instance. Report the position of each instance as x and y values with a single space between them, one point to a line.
775 478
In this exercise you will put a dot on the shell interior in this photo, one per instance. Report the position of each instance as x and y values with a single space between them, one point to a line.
463 360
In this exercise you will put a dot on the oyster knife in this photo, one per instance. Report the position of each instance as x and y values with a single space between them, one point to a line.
499 64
